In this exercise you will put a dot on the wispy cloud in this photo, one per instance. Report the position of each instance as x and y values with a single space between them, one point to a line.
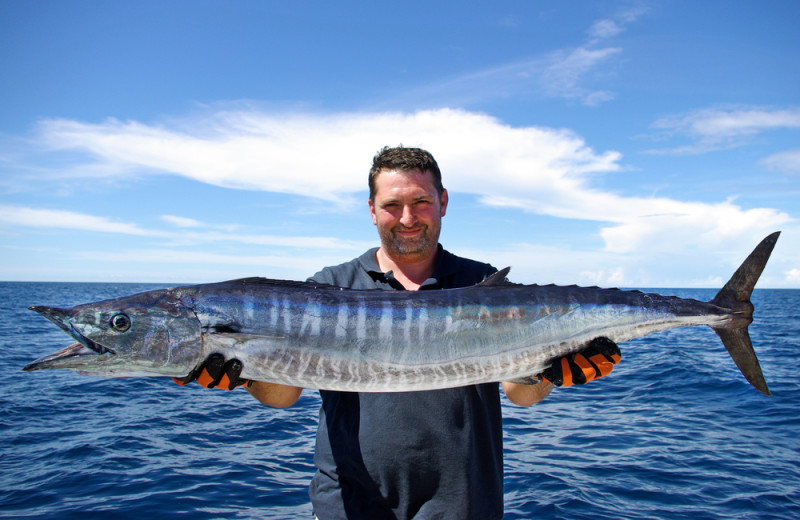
567 73
539 170
190 223
308 155
27 217
307 264
564 74
566 70
59 219
181 222
721 128
602 29
787 162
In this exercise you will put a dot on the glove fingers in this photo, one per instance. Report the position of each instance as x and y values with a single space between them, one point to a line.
605 346
603 364
567 374
215 372
583 370
230 375
212 371
555 373
595 361
214 361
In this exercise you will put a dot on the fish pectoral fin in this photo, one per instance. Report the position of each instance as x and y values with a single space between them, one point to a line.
232 338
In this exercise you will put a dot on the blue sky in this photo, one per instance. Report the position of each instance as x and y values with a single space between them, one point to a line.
635 144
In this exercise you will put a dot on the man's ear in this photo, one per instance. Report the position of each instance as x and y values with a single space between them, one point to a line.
443 198
372 211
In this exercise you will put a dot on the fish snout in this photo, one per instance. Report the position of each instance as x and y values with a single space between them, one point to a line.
63 319
54 314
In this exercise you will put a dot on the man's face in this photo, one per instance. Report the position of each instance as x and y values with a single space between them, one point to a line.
408 213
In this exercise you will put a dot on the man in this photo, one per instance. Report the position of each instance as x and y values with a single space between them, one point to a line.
429 454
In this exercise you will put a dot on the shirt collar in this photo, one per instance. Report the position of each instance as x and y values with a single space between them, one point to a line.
369 261
445 266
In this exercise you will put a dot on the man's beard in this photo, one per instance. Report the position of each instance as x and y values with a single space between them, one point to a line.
409 249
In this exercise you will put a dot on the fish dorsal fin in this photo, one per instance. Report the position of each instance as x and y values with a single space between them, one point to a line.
498 279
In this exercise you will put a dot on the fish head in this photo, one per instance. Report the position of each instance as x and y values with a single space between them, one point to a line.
151 333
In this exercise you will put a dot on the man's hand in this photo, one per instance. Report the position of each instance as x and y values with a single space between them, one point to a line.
215 372
594 361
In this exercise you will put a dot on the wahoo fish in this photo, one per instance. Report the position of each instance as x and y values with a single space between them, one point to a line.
316 336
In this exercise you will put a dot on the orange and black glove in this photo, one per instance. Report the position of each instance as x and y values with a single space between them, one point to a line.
215 372
596 360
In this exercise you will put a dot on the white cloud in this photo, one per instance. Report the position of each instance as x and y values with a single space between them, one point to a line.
190 223
315 155
564 75
719 128
602 29
787 162
567 72
164 265
613 278
561 73
59 219
21 216
305 265
681 265
720 124
540 170
181 222
664 224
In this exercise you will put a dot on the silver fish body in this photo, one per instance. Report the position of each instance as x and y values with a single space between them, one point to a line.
311 336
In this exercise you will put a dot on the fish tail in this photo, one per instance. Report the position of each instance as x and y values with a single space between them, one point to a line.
736 296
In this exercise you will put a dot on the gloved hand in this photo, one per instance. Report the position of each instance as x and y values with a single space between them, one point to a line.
596 360
215 372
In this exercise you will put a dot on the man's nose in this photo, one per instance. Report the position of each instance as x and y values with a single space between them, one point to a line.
408 218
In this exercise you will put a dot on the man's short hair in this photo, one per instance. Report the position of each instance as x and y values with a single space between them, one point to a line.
404 159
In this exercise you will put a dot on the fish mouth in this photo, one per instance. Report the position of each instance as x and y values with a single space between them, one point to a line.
59 317
61 358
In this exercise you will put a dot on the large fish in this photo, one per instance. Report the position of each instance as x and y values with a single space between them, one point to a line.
315 336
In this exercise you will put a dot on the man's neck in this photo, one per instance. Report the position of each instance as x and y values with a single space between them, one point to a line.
411 275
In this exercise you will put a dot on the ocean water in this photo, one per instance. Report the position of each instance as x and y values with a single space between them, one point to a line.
674 432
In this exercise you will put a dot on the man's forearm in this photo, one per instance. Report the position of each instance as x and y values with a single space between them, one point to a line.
275 395
526 395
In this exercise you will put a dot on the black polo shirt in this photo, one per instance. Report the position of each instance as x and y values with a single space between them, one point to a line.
428 454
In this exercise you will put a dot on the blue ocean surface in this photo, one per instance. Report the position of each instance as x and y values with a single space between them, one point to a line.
674 432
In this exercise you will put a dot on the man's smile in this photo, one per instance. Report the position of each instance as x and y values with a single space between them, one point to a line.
410 232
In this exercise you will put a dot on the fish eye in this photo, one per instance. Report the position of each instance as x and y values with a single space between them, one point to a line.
120 322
